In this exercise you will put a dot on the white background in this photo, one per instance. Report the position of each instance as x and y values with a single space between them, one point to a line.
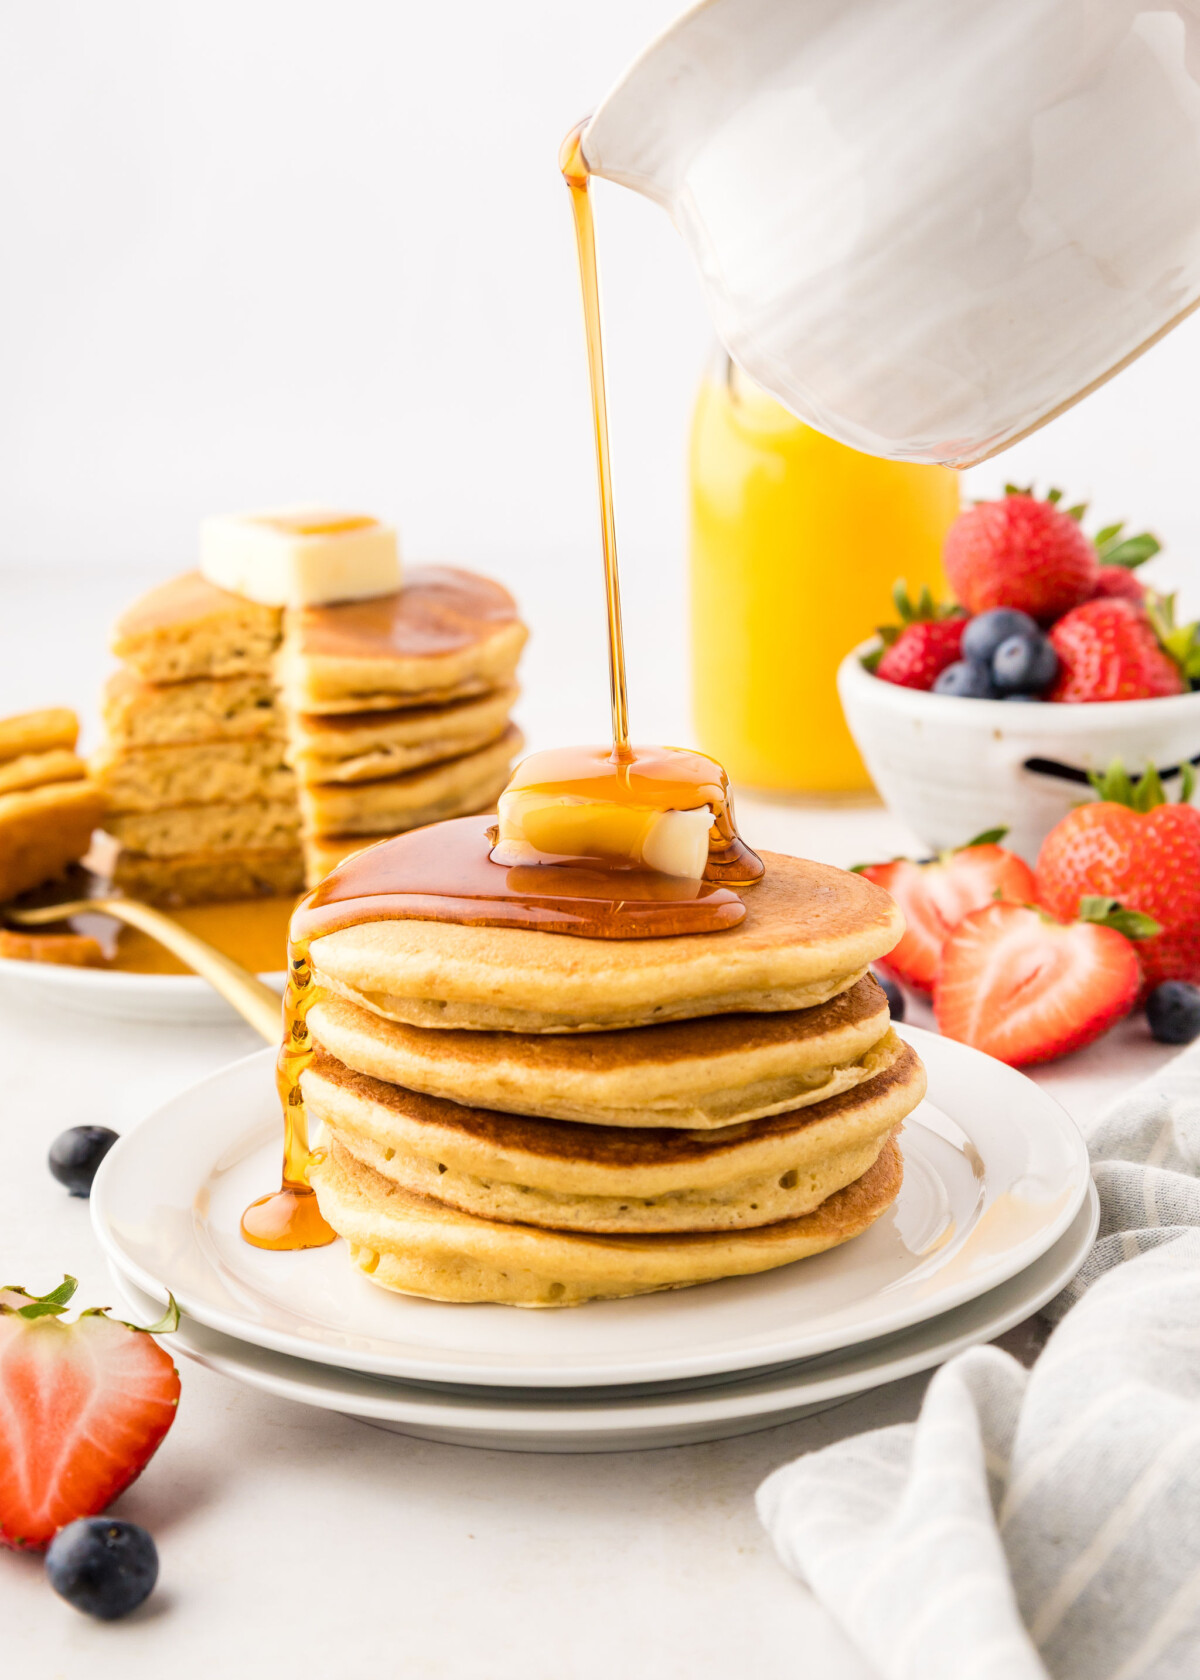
268 251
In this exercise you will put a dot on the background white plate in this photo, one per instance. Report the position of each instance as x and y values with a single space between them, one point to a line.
184 999
995 1173
597 1420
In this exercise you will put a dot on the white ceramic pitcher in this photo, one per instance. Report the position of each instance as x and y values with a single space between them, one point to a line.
926 226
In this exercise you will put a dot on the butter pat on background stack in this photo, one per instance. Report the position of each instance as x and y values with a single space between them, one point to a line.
304 557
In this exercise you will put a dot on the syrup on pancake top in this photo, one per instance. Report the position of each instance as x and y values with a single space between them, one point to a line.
596 1046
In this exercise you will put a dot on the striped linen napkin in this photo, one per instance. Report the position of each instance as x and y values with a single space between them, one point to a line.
1046 1522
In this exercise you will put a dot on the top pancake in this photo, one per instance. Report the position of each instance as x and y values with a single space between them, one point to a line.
187 627
446 634
810 932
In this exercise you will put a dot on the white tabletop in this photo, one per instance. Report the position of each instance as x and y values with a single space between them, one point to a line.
296 1543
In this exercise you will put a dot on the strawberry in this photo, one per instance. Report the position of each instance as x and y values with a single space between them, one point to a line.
1135 847
1120 556
1021 552
1117 583
1025 988
1108 650
935 895
82 1408
918 649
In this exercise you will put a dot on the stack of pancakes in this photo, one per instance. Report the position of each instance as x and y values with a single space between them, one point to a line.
48 805
398 708
541 1120
202 802
248 749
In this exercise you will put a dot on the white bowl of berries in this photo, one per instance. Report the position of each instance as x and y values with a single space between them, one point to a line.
1053 662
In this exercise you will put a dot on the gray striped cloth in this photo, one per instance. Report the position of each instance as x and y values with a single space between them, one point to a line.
1045 1522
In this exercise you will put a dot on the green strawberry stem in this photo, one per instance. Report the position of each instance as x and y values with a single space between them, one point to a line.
1117 787
1107 912
57 1301
1180 641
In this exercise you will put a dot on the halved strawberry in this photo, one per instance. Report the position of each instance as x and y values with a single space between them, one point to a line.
936 895
82 1408
1024 988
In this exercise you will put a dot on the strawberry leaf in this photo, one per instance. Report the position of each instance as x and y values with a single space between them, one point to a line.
1187 783
1113 785
1105 538
1107 912
1077 512
989 837
46 1306
870 661
1131 553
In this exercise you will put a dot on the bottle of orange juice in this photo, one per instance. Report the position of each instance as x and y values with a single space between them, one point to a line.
796 544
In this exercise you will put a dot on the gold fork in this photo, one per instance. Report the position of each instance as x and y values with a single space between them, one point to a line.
254 1002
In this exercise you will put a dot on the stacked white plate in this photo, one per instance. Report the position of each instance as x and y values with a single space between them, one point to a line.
996 1214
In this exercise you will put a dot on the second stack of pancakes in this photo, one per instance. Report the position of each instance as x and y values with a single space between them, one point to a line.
398 708
540 1120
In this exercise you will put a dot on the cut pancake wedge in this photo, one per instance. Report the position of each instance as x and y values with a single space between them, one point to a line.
418 1246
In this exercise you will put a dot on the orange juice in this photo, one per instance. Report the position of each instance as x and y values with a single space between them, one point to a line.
796 544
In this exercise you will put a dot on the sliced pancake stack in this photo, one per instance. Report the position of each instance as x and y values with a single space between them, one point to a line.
541 1120
398 708
202 802
249 749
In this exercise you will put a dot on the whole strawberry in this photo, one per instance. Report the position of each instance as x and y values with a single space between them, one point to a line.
82 1408
1120 556
918 649
1021 552
1136 848
1116 583
1108 650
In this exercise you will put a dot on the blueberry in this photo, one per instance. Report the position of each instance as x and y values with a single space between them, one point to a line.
1024 664
75 1155
894 996
985 632
1173 1011
102 1567
1035 698
967 679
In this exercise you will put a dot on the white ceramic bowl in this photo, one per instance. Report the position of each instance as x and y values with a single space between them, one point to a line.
951 768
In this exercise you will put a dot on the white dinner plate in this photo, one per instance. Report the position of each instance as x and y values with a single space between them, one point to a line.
183 999
597 1420
995 1172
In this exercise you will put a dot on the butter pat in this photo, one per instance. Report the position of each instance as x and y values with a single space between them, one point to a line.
304 557
535 825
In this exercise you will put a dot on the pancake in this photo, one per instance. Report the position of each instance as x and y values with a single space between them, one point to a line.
365 746
564 1176
428 795
187 627
418 1246
810 932
203 773
714 1071
447 633
43 829
190 828
210 876
141 714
